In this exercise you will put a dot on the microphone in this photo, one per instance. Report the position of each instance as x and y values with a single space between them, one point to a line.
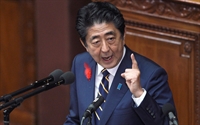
66 78
92 107
53 76
169 109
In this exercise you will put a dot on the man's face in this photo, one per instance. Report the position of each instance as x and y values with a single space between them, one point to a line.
105 44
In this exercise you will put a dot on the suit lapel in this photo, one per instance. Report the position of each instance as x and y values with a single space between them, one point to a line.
88 86
115 93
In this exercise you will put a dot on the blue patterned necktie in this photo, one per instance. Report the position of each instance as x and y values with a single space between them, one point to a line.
103 90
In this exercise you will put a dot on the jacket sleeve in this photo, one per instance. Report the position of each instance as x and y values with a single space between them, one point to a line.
158 94
73 117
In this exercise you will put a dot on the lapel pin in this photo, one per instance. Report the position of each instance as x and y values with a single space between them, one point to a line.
119 86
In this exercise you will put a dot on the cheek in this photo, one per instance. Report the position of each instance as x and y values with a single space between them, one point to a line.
94 52
117 48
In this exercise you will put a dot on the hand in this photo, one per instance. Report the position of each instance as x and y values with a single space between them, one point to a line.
132 77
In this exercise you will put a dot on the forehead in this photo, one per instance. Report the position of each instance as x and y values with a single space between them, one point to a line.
102 29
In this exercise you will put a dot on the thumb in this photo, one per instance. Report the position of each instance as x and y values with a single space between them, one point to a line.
123 75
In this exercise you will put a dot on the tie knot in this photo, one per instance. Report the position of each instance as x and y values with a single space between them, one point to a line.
105 72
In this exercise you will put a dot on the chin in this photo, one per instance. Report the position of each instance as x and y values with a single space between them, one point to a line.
109 66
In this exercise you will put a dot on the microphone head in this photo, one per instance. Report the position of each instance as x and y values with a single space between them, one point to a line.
167 108
93 106
97 102
68 78
56 74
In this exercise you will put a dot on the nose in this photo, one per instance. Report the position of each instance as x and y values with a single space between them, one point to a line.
104 47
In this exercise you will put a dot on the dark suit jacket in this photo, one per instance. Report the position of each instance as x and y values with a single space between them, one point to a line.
119 107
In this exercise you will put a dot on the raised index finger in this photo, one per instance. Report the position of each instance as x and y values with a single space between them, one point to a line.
134 62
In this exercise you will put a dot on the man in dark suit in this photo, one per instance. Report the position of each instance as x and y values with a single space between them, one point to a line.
137 88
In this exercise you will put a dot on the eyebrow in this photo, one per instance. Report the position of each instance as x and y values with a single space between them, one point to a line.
108 33
94 37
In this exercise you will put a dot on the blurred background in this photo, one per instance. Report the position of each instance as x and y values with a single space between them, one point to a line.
39 36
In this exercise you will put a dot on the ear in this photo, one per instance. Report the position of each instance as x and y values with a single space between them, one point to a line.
83 44
124 37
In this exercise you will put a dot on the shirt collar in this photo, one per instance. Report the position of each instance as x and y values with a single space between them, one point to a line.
113 70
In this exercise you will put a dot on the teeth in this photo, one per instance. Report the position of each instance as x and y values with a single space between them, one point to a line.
107 58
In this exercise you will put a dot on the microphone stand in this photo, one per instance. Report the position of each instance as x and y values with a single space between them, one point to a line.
171 122
16 102
19 100
52 77
7 112
36 84
89 121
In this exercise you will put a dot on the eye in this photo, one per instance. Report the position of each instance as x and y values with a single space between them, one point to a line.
111 39
95 43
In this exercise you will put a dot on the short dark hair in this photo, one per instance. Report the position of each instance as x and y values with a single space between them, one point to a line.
98 12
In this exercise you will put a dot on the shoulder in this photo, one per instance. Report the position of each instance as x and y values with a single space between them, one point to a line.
145 64
82 58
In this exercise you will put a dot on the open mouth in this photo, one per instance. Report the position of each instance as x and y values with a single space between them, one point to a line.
107 58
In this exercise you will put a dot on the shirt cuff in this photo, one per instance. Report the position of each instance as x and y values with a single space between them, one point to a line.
139 99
